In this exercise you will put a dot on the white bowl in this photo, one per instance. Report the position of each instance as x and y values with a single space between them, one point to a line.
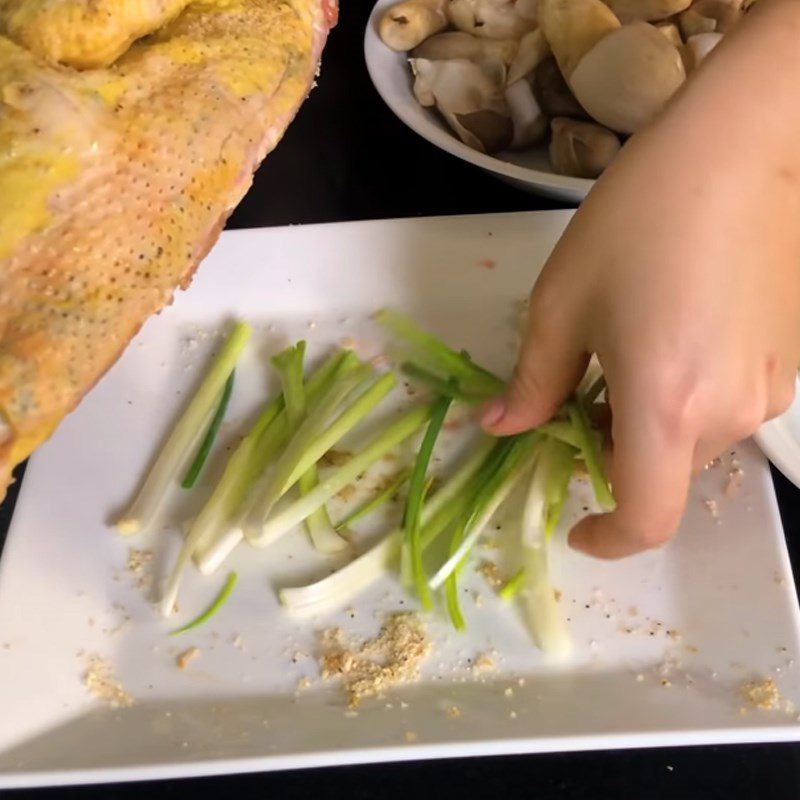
529 169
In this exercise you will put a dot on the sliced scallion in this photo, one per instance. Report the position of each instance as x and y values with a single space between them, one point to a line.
215 606
188 430
199 461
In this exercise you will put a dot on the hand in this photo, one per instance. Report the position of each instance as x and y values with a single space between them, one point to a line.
682 273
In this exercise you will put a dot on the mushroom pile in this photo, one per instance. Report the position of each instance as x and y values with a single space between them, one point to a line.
506 74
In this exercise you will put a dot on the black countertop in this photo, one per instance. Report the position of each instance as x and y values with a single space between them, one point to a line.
346 157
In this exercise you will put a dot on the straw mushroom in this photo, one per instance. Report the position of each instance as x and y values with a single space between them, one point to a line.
672 32
698 47
573 27
456 44
532 50
528 9
403 26
581 149
527 119
693 23
488 19
709 16
552 93
647 10
726 12
628 77
469 95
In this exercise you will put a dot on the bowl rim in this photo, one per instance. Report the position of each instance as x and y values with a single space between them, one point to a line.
377 56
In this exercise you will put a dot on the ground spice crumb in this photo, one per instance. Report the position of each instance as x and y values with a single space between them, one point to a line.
484 662
100 682
762 694
673 634
393 657
121 626
558 594
187 656
335 458
478 598
347 493
666 682
454 712
712 508
491 573
411 736
735 479
137 566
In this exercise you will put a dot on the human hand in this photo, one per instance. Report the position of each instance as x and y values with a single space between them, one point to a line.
682 273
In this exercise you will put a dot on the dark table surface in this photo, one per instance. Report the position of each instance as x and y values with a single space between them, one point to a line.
346 157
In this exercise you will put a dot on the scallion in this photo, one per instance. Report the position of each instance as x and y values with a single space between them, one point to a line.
215 606
416 488
515 465
337 589
289 366
591 454
193 472
509 589
429 352
188 430
372 504
276 526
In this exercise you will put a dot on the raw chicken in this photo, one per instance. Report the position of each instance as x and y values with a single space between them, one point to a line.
83 33
114 184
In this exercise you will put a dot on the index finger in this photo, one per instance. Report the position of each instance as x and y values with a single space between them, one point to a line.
650 469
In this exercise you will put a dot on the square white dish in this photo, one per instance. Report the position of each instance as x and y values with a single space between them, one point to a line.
780 439
662 642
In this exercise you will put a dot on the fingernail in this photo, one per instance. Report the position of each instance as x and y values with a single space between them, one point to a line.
493 412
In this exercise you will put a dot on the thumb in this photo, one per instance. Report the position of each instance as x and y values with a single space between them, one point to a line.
550 365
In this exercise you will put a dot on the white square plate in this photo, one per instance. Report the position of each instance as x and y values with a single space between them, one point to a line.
662 641
780 439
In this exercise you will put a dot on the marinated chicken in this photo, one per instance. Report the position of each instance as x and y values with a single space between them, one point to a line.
83 33
116 181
